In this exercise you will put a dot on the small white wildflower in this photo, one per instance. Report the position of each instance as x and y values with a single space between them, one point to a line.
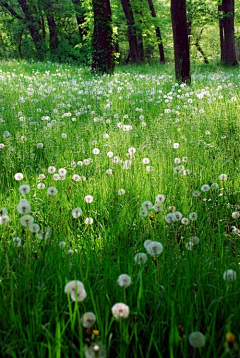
24 207
120 310
195 193
170 218
205 187
51 169
149 168
214 185
26 220
34 228
140 258
223 177
157 208
155 248
88 199
193 216
88 319
147 205
76 177
196 339
146 161
86 161
185 221
76 290
131 150
88 221
18 176
52 190
62 172
41 176
178 215
146 243
229 275
56 177
124 280
95 151
110 154
194 240
236 215
24 189
143 213
109 171
175 145
62 244
4 219
189 245
127 164
76 212
17 241
121 192
160 198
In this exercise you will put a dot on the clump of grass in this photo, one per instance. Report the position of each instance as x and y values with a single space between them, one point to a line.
129 176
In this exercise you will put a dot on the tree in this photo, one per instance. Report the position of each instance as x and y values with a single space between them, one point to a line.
180 39
132 35
80 17
53 33
158 32
34 24
226 28
102 40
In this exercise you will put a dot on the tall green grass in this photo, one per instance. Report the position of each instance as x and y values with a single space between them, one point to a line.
178 292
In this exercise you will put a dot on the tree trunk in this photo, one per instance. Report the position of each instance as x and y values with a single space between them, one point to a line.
226 27
158 33
132 36
103 49
80 17
52 26
180 39
34 26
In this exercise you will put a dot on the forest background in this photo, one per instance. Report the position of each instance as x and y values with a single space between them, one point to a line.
63 30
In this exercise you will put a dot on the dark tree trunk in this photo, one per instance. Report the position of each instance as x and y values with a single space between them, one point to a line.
80 17
34 26
132 36
52 26
226 26
103 49
199 48
139 34
180 39
158 33
53 38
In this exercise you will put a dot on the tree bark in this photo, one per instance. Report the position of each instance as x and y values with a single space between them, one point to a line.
52 26
132 36
180 39
158 33
34 26
226 28
80 17
103 49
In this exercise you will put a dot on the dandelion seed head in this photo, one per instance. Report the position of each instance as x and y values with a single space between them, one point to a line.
154 248
196 339
124 280
140 258
120 310
88 319
229 275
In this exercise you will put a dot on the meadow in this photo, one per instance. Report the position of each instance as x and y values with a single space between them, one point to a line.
119 212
